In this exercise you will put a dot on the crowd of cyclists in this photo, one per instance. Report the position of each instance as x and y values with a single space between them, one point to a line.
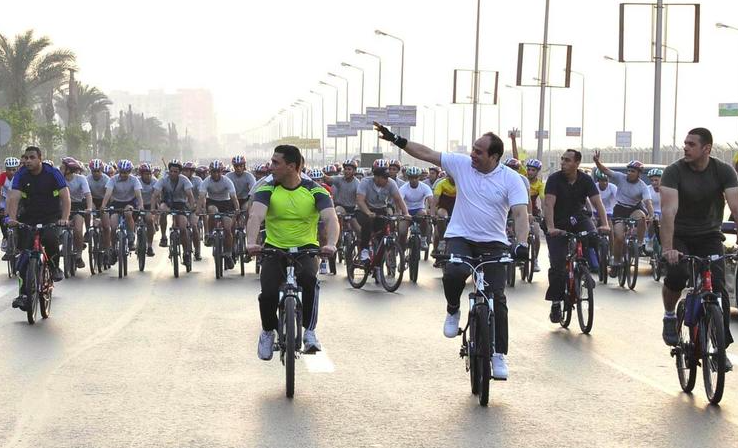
468 205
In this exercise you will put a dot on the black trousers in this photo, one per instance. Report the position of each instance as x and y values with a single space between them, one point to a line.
454 281
702 245
557 248
369 225
273 270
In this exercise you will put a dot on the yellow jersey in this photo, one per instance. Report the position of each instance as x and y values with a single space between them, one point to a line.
446 188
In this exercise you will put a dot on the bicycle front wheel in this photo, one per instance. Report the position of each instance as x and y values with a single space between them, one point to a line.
45 288
218 254
32 290
603 255
585 300
686 364
483 351
356 271
141 248
289 343
121 253
174 252
414 255
66 254
633 264
712 341
392 266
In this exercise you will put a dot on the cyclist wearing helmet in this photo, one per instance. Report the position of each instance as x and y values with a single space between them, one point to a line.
433 173
654 175
372 198
109 170
201 171
218 195
344 188
40 192
174 192
6 182
260 171
242 180
632 194
188 169
394 169
444 198
79 194
147 190
318 176
608 192
418 197
123 191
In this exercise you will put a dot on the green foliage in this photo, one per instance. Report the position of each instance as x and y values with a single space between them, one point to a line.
78 142
22 124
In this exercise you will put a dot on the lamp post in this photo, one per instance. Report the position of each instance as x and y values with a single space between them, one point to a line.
346 115
402 59
361 133
379 80
582 130
335 139
625 86
322 120
521 112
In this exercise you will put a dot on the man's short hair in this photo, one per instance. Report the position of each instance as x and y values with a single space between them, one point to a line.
496 146
381 172
291 154
577 154
704 134
35 149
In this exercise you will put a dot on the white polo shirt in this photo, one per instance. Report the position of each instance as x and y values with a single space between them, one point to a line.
483 201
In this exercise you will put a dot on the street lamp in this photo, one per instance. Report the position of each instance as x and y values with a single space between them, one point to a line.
361 133
322 120
521 112
347 105
581 133
722 25
335 141
402 60
625 86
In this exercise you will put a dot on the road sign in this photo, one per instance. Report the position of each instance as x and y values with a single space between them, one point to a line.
463 91
5 133
545 135
574 132
558 70
361 123
728 110
404 116
344 129
378 114
331 131
680 32
623 139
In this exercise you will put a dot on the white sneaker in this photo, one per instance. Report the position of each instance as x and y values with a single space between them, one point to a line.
310 342
451 325
266 345
364 254
536 268
499 367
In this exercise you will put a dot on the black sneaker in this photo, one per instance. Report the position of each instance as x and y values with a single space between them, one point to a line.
57 274
198 257
7 256
614 271
728 364
80 263
163 242
555 314
21 302
208 240
670 334
150 251
228 262
187 259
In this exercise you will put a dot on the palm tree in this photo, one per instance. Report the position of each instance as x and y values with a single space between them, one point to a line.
29 69
91 103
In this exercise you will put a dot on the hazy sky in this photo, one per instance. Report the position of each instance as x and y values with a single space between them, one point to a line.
259 56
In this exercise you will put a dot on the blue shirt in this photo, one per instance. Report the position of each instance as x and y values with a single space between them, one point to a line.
39 202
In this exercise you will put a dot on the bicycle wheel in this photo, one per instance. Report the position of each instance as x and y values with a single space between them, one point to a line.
141 248
414 258
686 364
634 255
91 248
603 255
656 261
10 251
65 253
624 266
483 352
72 255
585 300
712 342
218 255
32 290
174 252
121 255
392 266
46 288
566 306
289 343
356 271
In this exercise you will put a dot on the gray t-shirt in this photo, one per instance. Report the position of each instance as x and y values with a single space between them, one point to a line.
147 190
97 187
243 183
78 188
196 181
123 190
399 182
377 197
629 194
217 191
344 192
174 191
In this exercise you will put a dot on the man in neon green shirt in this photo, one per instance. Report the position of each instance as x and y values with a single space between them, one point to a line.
291 207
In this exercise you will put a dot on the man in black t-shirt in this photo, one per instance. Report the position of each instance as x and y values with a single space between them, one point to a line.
43 196
693 194
566 193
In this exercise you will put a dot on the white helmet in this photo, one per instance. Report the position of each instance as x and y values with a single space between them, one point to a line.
12 162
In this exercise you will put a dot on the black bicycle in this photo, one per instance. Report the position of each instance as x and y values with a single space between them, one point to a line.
239 242
386 258
141 239
175 238
218 241
11 251
579 291
95 251
415 244
527 268
628 271
68 254
478 336
38 280
289 330
701 330
121 250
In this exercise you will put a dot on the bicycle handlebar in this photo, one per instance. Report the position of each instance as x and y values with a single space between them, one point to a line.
504 258
290 254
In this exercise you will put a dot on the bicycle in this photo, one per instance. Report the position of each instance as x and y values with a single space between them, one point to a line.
658 266
68 255
218 241
141 239
603 257
38 280
239 242
578 279
478 335
11 251
347 237
701 330
414 245
628 271
289 329
386 258
95 252
121 241
527 268
174 242
510 268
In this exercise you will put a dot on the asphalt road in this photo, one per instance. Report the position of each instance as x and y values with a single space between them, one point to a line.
155 361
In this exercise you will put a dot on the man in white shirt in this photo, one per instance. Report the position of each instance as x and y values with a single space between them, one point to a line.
486 192
417 196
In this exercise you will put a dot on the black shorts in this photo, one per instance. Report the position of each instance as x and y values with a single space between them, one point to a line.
178 206
447 203
78 206
349 208
242 201
120 204
624 211
97 203
222 206
699 245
